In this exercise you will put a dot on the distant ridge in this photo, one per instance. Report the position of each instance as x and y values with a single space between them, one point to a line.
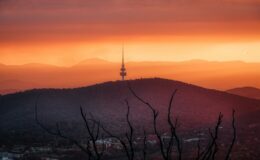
217 75
250 92
100 60
93 61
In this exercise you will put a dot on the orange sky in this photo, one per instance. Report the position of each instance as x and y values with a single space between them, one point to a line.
69 31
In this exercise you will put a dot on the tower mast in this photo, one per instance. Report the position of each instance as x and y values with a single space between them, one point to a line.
123 69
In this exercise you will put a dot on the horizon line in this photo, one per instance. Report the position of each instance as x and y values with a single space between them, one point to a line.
130 61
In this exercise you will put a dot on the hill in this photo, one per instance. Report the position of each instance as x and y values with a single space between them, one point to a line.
195 105
196 108
250 92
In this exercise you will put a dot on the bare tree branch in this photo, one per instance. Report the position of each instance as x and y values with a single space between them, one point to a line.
215 147
58 133
167 155
130 137
93 136
94 128
212 145
173 131
127 146
234 136
119 139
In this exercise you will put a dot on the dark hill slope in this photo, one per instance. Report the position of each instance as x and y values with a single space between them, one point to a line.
250 92
195 106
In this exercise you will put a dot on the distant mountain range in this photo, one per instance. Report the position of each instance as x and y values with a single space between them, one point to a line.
216 75
250 92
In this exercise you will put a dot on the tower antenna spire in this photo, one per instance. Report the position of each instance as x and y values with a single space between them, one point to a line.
123 54
123 69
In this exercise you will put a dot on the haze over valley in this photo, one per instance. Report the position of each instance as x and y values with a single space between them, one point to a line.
208 74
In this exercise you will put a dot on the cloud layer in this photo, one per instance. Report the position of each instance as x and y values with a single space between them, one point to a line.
30 20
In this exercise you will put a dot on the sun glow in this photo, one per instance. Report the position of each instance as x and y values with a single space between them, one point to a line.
67 54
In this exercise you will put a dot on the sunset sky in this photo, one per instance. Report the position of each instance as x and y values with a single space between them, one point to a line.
66 32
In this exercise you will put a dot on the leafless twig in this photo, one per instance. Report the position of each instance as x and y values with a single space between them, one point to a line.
234 136
59 133
165 154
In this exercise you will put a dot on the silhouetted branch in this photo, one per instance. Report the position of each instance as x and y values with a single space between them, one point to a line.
173 131
209 151
127 146
140 99
93 135
234 136
59 134
167 155
94 128
118 138
214 148
155 116
130 136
